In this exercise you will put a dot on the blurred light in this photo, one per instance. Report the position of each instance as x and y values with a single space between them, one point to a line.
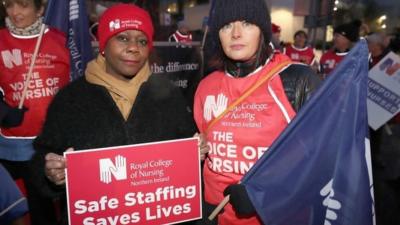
383 26
335 8
284 18
192 4
329 33
336 2
382 18
172 8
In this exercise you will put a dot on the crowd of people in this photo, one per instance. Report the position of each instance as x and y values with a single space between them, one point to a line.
119 101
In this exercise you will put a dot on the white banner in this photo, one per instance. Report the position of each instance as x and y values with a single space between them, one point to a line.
384 91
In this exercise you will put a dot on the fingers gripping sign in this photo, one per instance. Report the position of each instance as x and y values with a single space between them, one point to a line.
55 167
202 145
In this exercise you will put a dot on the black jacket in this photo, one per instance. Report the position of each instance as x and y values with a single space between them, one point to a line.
84 116
299 82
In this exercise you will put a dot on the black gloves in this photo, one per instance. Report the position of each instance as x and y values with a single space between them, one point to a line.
239 200
13 117
10 116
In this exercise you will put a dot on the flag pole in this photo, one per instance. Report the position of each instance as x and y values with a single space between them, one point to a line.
220 206
33 59
203 40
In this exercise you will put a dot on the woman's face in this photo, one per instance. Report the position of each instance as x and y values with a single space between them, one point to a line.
126 53
22 13
341 42
240 40
300 40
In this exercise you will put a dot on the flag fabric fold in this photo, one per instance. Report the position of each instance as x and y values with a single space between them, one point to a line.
71 18
318 170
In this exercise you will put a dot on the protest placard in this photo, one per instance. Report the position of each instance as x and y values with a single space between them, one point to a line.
384 91
152 183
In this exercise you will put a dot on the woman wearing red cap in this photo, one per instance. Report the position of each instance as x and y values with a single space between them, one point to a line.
117 102
276 38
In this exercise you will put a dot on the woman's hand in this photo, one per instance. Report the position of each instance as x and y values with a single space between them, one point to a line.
55 167
203 146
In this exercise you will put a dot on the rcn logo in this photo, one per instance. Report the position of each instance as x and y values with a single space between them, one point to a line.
11 58
214 107
389 66
108 168
114 25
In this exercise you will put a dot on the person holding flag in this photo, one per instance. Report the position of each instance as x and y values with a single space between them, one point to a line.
319 170
49 72
243 106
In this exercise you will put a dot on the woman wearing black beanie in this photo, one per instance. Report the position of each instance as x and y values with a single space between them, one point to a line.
244 105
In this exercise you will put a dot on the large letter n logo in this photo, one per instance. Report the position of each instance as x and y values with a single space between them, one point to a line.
214 107
12 58
107 168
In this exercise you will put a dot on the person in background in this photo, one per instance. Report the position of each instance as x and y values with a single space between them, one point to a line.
299 51
394 41
276 38
182 34
385 147
344 37
19 126
13 205
377 46
241 31
117 102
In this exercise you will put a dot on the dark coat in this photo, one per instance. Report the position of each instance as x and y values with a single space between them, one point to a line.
84 116
299 82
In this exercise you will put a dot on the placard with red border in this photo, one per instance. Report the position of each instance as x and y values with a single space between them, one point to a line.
152 183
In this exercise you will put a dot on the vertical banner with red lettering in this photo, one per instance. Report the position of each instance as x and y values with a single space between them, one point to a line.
153 183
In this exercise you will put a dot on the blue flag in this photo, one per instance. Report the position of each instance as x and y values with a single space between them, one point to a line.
317 171
70 17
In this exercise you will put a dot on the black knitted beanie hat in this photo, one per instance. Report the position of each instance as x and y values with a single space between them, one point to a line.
252 11
349 30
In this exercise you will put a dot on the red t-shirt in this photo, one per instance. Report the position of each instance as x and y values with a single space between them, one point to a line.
304 55
51 72
330 60
239 139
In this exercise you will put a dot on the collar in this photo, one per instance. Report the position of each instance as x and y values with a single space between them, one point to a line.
30 31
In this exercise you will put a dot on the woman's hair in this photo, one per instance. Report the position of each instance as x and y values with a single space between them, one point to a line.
36 3
300 32
219 59
227 11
